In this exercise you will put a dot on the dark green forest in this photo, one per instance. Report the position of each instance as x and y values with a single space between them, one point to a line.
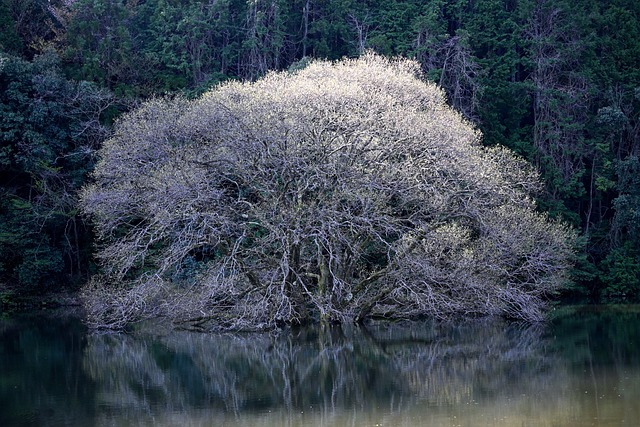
556 81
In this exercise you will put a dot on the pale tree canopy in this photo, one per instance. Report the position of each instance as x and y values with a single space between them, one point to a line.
340 192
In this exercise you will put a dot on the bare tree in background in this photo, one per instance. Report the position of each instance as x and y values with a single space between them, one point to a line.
338 193
265 39
560 97
451 62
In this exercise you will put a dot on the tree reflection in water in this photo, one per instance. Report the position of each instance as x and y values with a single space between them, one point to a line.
330 372
582 368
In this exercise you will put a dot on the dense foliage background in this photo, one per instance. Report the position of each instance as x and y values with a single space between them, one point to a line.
556 81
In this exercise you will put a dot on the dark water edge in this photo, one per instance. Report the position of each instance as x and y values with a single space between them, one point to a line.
581 368
16 301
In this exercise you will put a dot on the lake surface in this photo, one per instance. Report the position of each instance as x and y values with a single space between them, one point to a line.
581 369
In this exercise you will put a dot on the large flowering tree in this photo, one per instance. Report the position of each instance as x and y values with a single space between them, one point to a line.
338 192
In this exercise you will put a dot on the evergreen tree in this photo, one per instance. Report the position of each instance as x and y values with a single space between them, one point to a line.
48 128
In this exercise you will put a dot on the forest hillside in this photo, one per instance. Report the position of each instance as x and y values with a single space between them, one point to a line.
557 82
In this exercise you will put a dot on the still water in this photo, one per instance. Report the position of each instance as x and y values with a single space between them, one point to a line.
581 369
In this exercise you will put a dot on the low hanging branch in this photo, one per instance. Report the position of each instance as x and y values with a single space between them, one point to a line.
343 191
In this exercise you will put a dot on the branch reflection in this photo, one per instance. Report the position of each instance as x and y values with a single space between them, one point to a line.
327 371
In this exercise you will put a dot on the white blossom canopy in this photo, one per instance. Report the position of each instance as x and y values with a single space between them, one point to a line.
339 192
